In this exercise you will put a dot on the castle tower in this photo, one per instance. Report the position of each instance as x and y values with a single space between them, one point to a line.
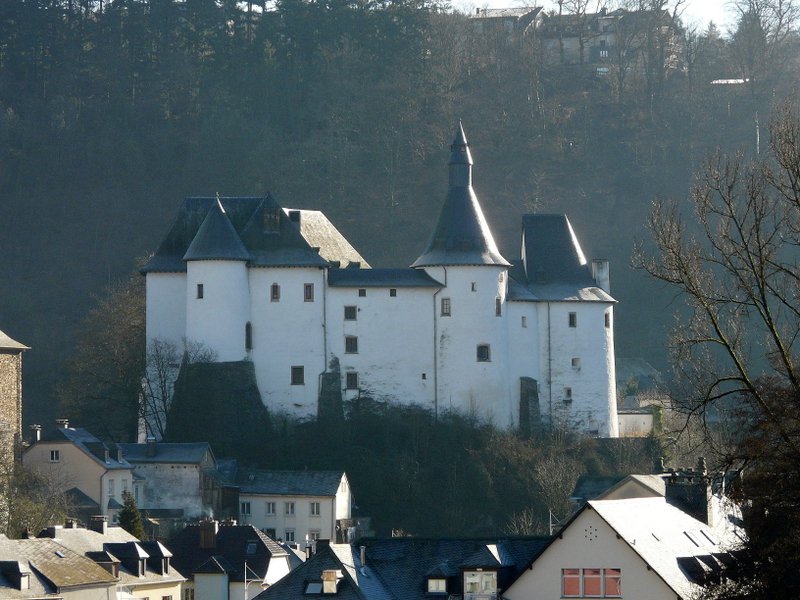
217 289
10 400
471 338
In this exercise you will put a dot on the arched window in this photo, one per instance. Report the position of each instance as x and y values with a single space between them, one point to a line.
248 336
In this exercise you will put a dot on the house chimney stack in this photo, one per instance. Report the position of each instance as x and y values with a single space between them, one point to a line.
151 449
363 556
208 534
691 493
62 423
36 433
99 524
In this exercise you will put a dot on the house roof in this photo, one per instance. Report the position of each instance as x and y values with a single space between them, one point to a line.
62 567
11 571
553 267
462 235
216 239
289 483
381 278
89 444
229 552
167 452
504 13
652 485
6 343
256 229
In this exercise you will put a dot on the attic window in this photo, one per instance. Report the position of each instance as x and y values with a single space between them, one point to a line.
275 293
314 587
573 319
55 455
437 585
392 292
362 292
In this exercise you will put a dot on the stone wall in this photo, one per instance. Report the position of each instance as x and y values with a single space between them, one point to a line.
10 406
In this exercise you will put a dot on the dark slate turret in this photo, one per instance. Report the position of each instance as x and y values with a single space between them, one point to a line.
217 239
462 236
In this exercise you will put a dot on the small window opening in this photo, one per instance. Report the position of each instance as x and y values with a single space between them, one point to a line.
483 353
298 376
524 321
308 292
576 363
350 313
248 336
573 319
200 291
445 307
473 286
351 344
351 381
607 317
275 293
392 292
498 307
567 394
362 292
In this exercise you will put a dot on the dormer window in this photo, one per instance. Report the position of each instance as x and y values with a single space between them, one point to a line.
437 585
480 584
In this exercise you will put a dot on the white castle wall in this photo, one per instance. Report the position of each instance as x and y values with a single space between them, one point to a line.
465 384
524 358
395 342
217 320
288 332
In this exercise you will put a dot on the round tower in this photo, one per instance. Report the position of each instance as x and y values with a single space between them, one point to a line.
470 330
217 290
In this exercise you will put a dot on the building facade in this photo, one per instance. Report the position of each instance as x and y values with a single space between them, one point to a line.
10 400
517 343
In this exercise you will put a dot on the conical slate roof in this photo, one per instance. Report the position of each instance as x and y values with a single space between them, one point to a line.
6 343
461 236
217 239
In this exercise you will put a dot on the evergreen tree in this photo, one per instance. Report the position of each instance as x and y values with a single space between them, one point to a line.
130 519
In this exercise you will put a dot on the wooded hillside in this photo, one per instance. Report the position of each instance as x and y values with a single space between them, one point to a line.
112 111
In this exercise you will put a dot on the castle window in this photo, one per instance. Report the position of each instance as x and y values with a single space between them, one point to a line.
248 336
567 394
484 353
576 363
498 307
351 344
55 455
275 293
298 376
524 321
308 292
573 319
607 317
199 291
445 307
362 292
350 313
392 292
473 286
351 381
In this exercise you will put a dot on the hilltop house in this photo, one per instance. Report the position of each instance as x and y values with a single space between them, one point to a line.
513 342
78 462
295 506
10 399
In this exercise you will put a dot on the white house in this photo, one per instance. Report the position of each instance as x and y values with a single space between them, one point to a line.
513 342
295 506
629 548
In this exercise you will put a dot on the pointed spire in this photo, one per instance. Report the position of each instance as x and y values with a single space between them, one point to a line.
462 236
217 238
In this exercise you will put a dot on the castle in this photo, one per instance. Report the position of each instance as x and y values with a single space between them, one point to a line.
515 343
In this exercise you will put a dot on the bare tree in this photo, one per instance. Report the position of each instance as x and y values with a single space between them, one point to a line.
164 360
30 500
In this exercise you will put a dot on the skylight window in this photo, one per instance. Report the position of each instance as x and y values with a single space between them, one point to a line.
314 587
250 548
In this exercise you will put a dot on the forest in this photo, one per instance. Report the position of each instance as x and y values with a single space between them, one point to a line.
111 111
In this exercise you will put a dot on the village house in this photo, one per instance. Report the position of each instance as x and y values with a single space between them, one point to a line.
76 461
295 506
225 561
143 569
518 343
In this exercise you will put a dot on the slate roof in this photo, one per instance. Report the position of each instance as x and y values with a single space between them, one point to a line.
167 452
554 267
289 483
6 343
89 444
398 568
216 239
229 553
381 278
61 567
266 235
10 571
503 13
462 235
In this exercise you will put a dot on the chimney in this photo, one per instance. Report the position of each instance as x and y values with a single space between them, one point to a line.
208 534
62 423
27 534
98 524
691 494
320 544
36 433
118 453
294 216
601 274
70 524
330 577
151 449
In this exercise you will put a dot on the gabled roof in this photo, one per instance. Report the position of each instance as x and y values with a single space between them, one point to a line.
381 278
88 444
553 267
289 483
265 232
167 452
6 343
229 551
216 239
462 235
